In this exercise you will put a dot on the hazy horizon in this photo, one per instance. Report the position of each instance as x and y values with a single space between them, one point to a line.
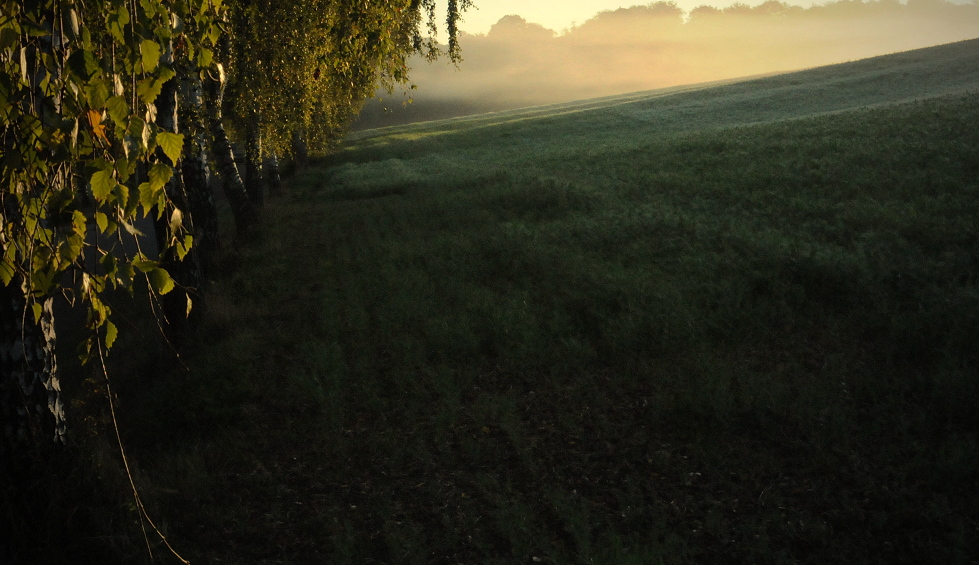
520 63
564 16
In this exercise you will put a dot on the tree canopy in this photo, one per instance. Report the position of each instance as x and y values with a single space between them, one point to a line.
83 150
83 154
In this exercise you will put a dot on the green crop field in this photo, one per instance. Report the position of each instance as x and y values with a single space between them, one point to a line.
735 323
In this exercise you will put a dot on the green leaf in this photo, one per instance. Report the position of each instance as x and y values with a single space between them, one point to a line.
150 51
124 168
8 38
126 274
148 90
184 247
111 332
102 221
152 194
160 281
204 58
71 248
6 273
147 197
165 74
116 30
132 229
78 222
118 110
97 92
160 175
122 193
171 143
102 185
37 310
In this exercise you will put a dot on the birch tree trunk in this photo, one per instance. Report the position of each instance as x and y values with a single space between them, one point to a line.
196 175
32 414
31 411
253 163
272 174
244 211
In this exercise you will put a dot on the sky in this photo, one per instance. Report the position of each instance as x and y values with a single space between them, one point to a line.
559 16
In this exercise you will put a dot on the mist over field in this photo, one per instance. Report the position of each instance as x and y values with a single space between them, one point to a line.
519 63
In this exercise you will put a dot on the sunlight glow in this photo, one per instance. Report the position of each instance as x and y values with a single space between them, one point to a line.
559 16
519 62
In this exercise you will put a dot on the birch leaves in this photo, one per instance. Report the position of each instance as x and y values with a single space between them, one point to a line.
83 157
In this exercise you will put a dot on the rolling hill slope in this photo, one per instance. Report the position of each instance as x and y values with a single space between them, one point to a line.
900 77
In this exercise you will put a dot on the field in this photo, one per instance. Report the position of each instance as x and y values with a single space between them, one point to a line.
724 324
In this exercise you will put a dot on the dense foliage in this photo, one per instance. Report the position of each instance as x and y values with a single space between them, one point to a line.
82 149
107 133
79 92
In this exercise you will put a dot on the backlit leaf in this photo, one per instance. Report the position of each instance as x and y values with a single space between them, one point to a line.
78 222
102 221
204 58
183 247
150 52
148 89
110 334
71 248
171 143
102 185
132 229
6 273
160 281
152 194
159 175
118 110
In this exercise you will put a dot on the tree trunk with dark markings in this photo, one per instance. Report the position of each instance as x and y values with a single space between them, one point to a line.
31 410
253 163
244 211
196 175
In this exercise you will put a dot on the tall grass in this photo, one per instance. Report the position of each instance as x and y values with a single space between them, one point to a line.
751 344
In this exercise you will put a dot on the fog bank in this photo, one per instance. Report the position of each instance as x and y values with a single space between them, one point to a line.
518 63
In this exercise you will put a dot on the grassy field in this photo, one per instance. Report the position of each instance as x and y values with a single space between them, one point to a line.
736 324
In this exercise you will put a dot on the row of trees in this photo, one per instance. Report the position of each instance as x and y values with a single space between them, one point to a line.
112 114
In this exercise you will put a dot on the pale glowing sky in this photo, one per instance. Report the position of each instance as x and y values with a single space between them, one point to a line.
561 15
